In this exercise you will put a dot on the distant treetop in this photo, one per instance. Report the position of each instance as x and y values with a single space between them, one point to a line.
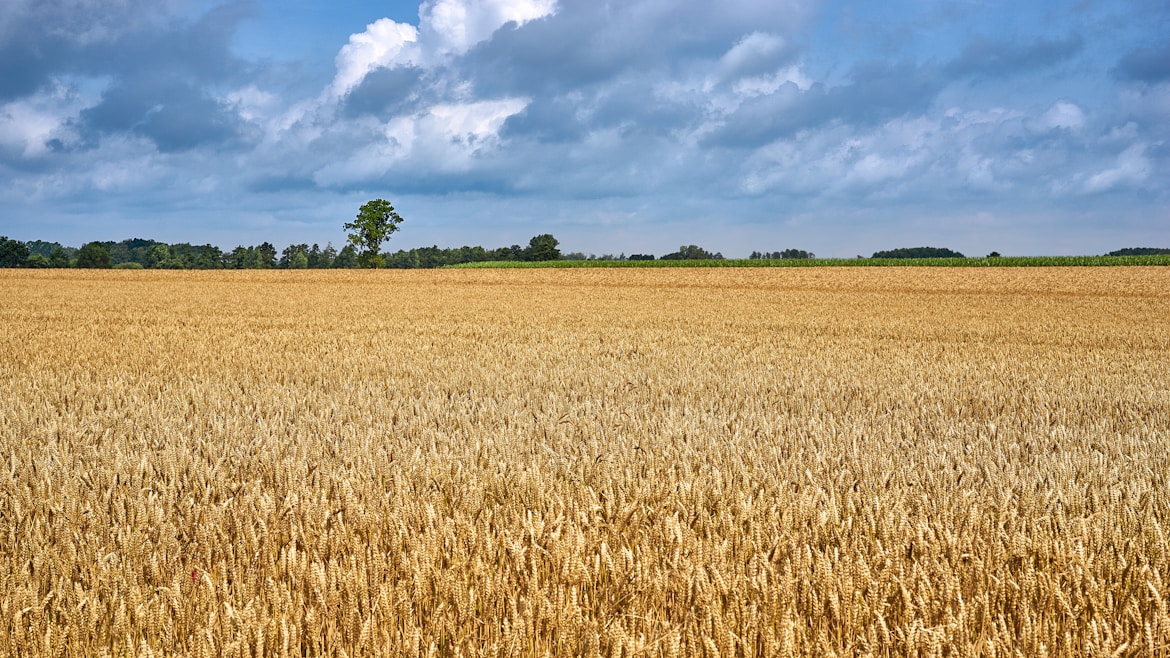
1139 251
918 252
782 255
693 252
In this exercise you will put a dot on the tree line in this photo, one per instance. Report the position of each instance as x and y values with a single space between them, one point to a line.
376 221
921 252
939 252
782 255
139 253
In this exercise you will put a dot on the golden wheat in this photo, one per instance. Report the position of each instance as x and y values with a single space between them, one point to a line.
750 462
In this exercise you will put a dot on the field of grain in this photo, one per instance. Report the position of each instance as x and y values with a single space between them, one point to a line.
706 462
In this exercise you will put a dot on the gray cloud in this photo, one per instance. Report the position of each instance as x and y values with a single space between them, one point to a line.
44 39
160 76
164 83
876 92
547 119
756 54
1151 64
386 92
27 62
175 116
587 43
984 56
547 56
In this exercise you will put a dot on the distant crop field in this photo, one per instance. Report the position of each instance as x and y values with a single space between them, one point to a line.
1001 261
626 462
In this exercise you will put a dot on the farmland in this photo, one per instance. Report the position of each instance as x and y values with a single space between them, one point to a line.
614 462
1011 261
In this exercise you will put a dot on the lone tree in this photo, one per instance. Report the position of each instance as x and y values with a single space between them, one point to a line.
375 222
542 247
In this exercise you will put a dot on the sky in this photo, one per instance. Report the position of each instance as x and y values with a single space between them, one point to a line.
636 126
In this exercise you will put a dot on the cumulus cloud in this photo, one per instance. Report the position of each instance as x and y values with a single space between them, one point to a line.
457 25
446 28
445 138
1062 115
34 126
424 114
955 156
875 93
250 102
871 163
1132 167
385 43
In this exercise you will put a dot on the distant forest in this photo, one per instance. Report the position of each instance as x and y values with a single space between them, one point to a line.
139 253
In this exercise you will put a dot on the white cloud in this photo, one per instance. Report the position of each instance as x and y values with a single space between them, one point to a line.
977 171
29 125
454 26
384 43
26 128
252 103
980 118
449 137
446 28
751 53
1131 168
445 135
1062 115
842 161
749 69
445 138
768 84
470 122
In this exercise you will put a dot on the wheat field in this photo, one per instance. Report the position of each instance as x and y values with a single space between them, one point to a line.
731 462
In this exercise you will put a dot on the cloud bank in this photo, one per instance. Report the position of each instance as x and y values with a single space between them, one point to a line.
634 125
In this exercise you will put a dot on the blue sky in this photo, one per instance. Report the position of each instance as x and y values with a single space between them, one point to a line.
836 127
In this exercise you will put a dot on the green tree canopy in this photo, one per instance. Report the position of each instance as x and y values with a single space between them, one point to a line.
782 255
59 257
94 255
13 253
542 247
41 247
346 258
693 252
1139 251
376 220
918 252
